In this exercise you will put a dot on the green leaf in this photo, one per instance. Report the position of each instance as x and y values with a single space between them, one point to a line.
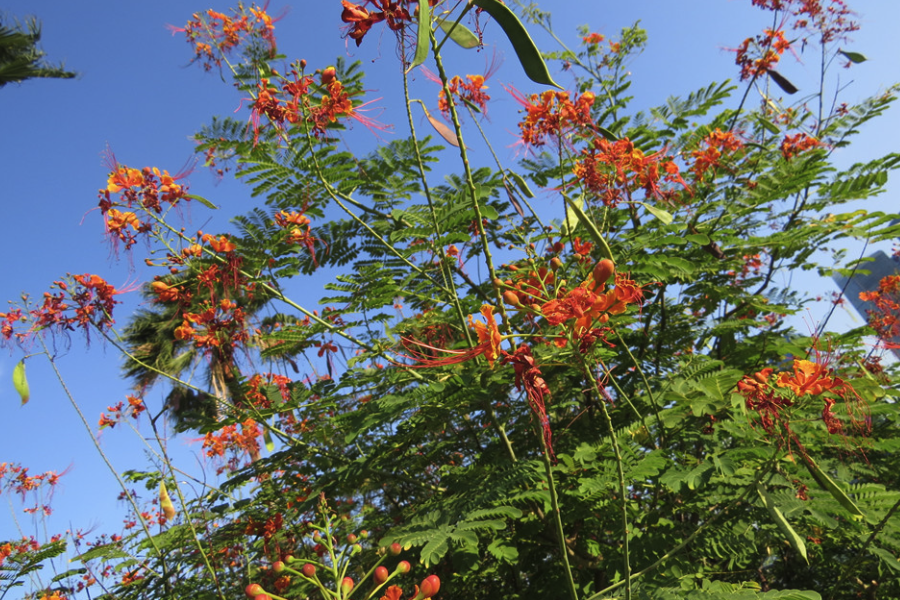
202 201
267 439
794 540
529 56
659 213
489 212
459 33
424 37
701 239
828 484
768 125
886 558
854 57
20 382
605 250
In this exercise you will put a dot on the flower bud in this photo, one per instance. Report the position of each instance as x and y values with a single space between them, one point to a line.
347 585
302 63
309 570
253 590
511 298
328 75
403 567
603 270
364 534
351 537
430 586
556 264
381 575
395 549
278 566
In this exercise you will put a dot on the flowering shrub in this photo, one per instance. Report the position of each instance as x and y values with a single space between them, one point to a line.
602 397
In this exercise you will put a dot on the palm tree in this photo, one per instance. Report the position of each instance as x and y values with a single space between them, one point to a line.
150 339
20 56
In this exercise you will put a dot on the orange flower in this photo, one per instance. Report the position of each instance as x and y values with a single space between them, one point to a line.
220 244
792 145
489 340
809 378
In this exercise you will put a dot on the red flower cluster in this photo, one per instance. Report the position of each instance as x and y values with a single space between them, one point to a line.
145 189
362 20
471 91
614 170
713 148
808 378
552 115
529 376
214 34
885 318
830 19
489 340
765 53
89 302
588 303
229 439
118 412
15 479
219 328
792 145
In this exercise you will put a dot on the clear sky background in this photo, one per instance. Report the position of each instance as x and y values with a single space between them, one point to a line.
138 95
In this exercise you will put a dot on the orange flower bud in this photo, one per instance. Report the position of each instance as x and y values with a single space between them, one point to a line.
511 298
430 586
603 270
381 575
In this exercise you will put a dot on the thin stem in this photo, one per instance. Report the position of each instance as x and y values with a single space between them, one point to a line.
96 443
557 518
614 442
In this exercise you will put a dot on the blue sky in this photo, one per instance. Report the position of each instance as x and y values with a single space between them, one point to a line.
137 95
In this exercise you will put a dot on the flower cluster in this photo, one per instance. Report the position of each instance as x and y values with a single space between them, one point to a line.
807 378
361 19
220 327
295 98
118 412
229 440
552 115
885 317
714 148
298 230
488 345
214 34
588 303
15 479
792 145
145 189
85 302
470 91
755 56
829 19
612 171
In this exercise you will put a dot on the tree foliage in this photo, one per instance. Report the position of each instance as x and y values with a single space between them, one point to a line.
609 402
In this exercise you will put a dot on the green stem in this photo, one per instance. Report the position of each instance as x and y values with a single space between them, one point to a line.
557 518
96 443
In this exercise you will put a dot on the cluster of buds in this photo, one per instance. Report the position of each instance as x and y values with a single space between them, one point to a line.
329 571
